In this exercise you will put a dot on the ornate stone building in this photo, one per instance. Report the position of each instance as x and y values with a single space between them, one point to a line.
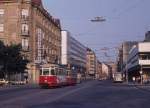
28 23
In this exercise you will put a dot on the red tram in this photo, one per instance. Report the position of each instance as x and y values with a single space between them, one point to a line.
55 76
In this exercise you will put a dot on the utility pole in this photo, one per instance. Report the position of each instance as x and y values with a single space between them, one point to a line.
126 69
141 73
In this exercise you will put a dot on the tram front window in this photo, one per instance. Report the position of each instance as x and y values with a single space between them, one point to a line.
46 72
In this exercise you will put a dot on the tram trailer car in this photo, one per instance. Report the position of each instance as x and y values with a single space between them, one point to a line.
55 76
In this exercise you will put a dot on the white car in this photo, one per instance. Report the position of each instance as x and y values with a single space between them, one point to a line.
3 82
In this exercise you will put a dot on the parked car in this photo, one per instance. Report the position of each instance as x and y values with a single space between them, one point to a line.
3 82
17 82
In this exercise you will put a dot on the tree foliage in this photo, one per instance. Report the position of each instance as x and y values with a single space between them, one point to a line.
11 59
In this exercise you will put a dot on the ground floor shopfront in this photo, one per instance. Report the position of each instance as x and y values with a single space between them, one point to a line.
139 74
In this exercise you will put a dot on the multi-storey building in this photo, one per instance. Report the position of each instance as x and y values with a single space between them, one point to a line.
147 36
98 70
123 54
138 64
28 23
91 63
106 71
120 59
126 46
113 68
73 54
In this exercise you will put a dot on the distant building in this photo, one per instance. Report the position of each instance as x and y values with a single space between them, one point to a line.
126 46
73 54
120 59
91 63
113 68
147 37
124 53
139 62
106 70
98 70
28 23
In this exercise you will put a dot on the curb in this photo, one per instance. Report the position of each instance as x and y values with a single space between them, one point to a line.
18 86
143 88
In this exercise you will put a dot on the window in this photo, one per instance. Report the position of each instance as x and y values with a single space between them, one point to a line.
1 12
52 72
25 13
25 28
144 56
1 27
25 43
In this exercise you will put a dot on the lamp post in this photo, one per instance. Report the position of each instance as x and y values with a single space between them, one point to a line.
126 69
141 73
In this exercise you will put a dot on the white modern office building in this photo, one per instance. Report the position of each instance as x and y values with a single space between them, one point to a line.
138 63
73 53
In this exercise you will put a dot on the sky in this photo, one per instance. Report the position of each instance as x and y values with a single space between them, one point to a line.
126 20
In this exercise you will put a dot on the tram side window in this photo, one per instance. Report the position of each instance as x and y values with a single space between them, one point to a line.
46 72
52 72
61 71
56 71
65 72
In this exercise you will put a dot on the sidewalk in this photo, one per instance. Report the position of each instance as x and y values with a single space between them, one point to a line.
145 87
5 87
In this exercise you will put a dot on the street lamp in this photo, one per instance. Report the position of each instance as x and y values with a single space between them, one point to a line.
141 73
126 70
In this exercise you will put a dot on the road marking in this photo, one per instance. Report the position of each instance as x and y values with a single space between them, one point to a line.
14 99
28 96
66 94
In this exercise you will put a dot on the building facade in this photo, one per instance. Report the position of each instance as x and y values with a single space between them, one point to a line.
26 22
138 64
73 54
123 54
147 36
106 70
120 59
113 68
91 63
98 70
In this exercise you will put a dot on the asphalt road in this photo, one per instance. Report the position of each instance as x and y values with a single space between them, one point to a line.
91 94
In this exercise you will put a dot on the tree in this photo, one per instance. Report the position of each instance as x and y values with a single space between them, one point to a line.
12 60
2 48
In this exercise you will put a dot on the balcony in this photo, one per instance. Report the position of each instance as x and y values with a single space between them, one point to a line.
25 48
25 32
144 62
